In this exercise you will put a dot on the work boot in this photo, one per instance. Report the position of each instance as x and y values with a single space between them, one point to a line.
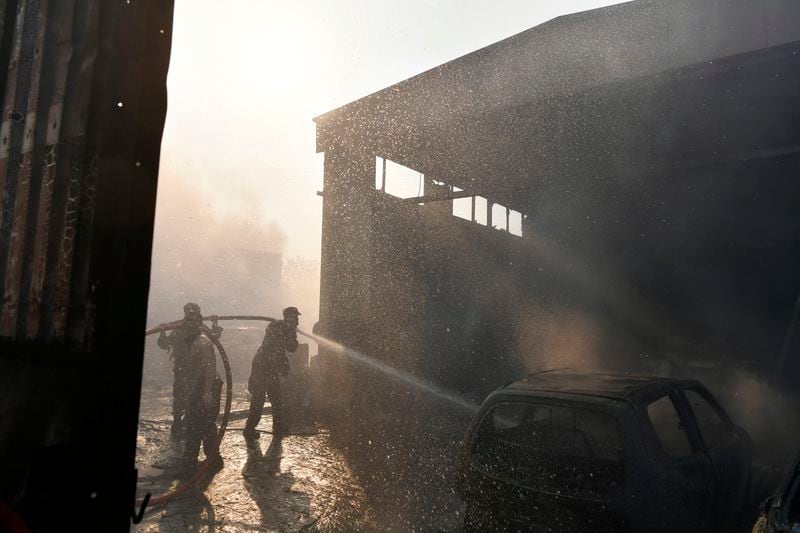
250 434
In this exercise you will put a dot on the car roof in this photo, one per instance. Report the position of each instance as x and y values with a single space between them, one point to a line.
614 386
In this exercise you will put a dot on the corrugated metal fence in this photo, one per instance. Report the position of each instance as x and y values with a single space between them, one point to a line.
47 171
83 91
53 100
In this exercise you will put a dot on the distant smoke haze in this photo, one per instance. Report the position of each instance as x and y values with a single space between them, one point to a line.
564 340
226 263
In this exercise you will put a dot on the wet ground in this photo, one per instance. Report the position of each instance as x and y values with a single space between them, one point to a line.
400 479
298 483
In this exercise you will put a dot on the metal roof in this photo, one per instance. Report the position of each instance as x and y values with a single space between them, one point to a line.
560 102
618 386
572 53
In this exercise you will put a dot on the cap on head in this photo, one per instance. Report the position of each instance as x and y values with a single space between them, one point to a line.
191 309
291 311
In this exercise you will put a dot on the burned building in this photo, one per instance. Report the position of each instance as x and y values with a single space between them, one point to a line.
606 185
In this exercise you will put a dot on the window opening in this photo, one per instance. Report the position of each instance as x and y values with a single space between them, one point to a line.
567 448
713 427
499 220
397 180
515 223
462 208
668 428
481 210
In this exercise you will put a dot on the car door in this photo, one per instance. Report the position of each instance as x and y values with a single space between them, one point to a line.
683 472
725 445
539 464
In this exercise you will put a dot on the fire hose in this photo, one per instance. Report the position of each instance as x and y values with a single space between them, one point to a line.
203 467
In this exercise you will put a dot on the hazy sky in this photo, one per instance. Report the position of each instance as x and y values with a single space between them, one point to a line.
247 77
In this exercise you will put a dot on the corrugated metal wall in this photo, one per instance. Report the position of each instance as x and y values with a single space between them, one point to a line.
48 170
48 163
83 91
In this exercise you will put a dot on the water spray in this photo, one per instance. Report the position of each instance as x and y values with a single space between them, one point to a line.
149 503
399 376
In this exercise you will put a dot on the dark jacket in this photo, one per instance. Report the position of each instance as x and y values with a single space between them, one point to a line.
177 345
270 359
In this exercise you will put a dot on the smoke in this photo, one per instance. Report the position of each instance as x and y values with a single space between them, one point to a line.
229 264
766 413
561 340
224 263
300 288
400 377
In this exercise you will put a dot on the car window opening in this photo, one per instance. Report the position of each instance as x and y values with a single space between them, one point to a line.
565 449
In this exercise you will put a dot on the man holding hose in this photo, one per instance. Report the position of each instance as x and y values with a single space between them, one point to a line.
176 344
269 365
204 388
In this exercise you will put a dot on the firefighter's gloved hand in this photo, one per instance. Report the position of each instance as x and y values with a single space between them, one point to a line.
216 331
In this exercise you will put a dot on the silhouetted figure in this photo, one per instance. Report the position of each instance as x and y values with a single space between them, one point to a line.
177 346
269 364
204 392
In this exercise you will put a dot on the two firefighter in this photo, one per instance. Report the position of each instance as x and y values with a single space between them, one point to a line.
197 388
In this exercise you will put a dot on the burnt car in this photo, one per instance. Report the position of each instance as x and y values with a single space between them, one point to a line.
566 451
780 513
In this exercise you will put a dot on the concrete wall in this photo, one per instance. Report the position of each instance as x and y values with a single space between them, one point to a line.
661 218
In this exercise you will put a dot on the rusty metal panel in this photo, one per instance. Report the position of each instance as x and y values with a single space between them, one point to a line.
14 111
70 172
47 174
57 54
78 177
22 150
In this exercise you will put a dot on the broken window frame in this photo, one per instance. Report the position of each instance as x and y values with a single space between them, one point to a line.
729 427
489 417
683 424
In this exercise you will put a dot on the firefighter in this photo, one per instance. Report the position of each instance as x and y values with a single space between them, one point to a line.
269 365
176 345
204 391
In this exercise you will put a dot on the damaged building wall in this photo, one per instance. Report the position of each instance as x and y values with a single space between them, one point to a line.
659 199
84 101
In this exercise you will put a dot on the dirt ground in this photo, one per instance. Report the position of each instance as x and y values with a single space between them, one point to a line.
298 483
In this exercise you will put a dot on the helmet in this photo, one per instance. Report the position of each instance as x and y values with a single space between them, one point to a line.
191 309
290 311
